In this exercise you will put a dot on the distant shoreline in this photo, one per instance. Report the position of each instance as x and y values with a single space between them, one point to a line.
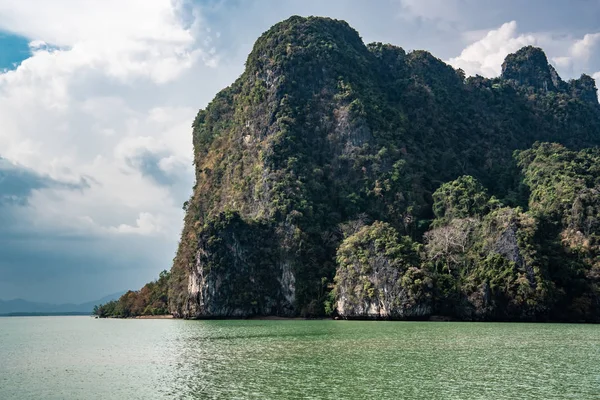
163 316
434 318
167 316
43 314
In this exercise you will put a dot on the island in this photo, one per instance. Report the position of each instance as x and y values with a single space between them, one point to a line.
338 179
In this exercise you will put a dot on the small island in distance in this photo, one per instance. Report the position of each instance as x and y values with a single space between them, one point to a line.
340 179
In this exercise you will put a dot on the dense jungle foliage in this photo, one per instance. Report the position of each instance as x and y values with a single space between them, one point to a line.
338 178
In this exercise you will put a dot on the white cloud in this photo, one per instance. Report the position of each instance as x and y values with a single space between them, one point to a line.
582 49
145 224
485 56
580 54
66 22
123 39
562 62
99 90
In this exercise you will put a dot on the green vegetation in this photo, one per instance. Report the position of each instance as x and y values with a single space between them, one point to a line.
539 264
379 275
363 181
462 198
152 299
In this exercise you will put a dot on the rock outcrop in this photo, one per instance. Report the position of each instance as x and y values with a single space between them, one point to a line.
529 67
321 130
379 276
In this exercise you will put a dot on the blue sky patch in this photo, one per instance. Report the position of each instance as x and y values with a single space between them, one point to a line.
13 50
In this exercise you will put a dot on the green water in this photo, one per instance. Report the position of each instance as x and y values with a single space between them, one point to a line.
85 358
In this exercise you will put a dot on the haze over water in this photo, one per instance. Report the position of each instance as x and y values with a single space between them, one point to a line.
85 358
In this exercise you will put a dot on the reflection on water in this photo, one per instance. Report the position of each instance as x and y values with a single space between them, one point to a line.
80 357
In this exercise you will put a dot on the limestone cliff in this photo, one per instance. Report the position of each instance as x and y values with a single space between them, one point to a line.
322 130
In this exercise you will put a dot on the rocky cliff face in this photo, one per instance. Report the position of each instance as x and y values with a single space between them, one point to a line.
321 130
234 273
379 276
529 67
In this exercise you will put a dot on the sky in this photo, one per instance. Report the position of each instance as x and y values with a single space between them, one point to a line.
97 98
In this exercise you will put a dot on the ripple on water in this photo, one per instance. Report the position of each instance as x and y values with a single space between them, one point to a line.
85 358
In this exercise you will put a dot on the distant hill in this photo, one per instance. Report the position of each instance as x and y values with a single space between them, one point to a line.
25 307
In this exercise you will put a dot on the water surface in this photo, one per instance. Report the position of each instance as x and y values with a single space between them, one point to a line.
86 358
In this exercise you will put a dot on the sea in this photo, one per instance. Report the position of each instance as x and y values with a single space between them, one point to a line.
86 358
